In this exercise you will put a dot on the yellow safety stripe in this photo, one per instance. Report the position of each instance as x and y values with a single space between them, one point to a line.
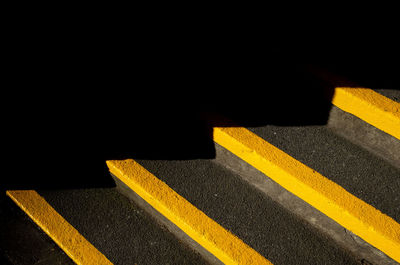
371 107
54 225
213 237
352 213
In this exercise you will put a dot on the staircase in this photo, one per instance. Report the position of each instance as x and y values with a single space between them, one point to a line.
290 179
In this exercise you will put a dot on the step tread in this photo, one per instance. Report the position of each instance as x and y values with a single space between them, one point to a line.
23 242
369 178
257 220
308 184
118 228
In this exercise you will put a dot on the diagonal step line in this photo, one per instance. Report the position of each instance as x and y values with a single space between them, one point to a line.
209 234
373 226
364 103
370 106
54 225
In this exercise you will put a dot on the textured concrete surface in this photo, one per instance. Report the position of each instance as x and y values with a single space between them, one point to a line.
364 175
365 135
371 107
212 236
311 186
257 220
120 230
163 221
57 228
358 247
23 242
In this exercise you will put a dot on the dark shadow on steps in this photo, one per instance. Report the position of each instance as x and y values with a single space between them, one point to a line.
150 103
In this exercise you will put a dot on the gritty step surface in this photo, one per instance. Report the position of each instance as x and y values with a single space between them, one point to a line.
23 242
260 222
358 247
163 221
368 177
118 228
365 135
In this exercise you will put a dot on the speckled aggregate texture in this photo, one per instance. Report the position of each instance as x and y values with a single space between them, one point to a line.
371 107
221 243
23 242
357 216
119 228
66 236
247 213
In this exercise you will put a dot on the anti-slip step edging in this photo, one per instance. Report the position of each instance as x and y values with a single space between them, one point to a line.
66 236
22 241
115 226
364 135
248 214
371 107
343 237
165 223
221 243
352 213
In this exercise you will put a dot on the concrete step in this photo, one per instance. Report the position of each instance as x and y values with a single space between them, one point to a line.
345 198
114 225
245 212
23 242
322 192
359 172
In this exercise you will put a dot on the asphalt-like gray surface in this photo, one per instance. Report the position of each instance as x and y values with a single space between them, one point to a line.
365 135
256 219
118 228
22 242
366 176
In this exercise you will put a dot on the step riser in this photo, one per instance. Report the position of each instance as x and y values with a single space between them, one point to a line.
363 134
358 247
159 218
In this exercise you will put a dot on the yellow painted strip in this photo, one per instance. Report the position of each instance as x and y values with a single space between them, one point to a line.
371 107
53 224
221 243
354 214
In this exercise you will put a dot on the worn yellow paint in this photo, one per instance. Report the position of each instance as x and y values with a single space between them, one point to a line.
352 213
371 107
53 224
221 243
